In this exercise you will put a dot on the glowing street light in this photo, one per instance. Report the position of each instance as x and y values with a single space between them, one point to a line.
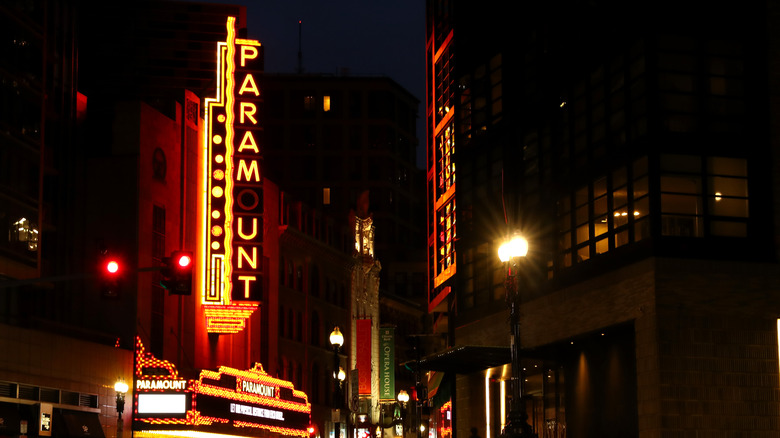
517 419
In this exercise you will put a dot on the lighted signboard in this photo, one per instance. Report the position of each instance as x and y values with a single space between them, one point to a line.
387 363
226 401
232 188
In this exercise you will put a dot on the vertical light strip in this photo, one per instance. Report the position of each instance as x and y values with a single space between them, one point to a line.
230 62
487 404
212 294
503 403
778 340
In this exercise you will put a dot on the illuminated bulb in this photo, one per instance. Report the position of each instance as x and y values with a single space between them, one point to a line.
112 267
517 247
217 139
221 118
219 158
120 386
215 214
624 214
215 245
718 196
184 261
217 192
636 213
617 214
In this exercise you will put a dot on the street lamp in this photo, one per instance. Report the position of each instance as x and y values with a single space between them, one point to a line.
517 419
121 389
403 398
337 340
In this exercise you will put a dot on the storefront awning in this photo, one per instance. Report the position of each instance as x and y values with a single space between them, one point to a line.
9 419
79 425
466 359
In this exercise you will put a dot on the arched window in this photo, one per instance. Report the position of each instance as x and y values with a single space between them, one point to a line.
315 329
314 281
281 321
282 265
290 324
299 328
315 384
299 278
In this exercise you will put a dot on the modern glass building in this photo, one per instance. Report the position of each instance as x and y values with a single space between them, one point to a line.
637 156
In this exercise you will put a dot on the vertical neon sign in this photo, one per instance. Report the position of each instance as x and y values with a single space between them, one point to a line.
233 189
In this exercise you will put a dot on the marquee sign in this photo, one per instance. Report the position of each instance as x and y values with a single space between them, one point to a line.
226 401
233 189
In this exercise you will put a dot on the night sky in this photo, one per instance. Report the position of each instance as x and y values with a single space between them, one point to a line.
361 37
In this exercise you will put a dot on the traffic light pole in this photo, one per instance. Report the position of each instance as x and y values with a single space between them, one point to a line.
60 278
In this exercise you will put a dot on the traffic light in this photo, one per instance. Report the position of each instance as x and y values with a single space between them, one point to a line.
177 273
110 271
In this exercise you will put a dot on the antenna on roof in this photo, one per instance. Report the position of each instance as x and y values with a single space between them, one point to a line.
300 53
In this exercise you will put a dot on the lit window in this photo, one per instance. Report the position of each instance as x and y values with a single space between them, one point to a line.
692 189
447 236
326 196
25 231
308 103
446 166
326 103
364 236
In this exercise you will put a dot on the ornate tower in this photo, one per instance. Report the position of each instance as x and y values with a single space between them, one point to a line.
364 355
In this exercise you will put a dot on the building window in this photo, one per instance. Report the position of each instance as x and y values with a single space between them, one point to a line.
445 91
281 322
308 103
447 234
314 338
445 168
696 191
601 216
326 196
325 103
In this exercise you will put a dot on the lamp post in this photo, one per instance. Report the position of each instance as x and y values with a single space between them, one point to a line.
517 419
337 340
121 389
403 398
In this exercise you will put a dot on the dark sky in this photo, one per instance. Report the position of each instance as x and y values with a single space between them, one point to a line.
363 37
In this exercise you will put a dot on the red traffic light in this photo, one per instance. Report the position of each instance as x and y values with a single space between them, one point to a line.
177 273
112 266
184 260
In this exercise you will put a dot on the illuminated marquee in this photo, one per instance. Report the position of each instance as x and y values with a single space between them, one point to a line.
233 189
226 401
